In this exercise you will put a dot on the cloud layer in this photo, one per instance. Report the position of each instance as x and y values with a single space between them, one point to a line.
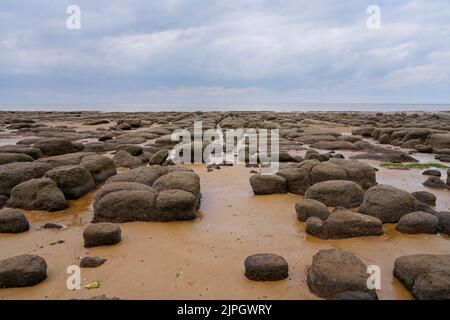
189 52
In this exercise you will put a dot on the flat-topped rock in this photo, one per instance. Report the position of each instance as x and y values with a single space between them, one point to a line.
335 193
22 271
266 267
427 276
335 271
101 234
13 221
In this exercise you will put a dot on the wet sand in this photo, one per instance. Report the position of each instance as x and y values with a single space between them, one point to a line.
203 259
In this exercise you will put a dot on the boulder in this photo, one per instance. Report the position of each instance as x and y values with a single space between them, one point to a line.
12 174
432 172
91 262
35 153
344 224
127 206
37 194
311 208
175 204
266 267
54 147
132 149
268 184
335 193
65 159
423 148
101 234
100 167
440 140
182 180
388 203
418 222
435 183
159 157
6 157
427 276
444 222
336 271
425 197
327 170
297 180
358 172
117 186
74 181
13 221
126 160
22 271
144 175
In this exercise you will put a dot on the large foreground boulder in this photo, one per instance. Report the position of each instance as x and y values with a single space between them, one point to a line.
427 276
13 221
388 203
266 267
74 181
12 174
152 193
344 224
334 193
336 271
268 184
22 271
37 194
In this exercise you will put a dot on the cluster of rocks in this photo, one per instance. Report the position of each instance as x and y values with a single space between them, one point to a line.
340 275
154 193
29 270
425 132
412 212
47 183
314 175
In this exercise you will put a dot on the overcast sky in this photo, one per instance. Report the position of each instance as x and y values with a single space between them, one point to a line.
223 52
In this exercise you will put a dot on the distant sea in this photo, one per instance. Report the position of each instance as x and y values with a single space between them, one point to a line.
279 107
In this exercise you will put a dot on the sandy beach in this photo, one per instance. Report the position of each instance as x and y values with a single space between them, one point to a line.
204 258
